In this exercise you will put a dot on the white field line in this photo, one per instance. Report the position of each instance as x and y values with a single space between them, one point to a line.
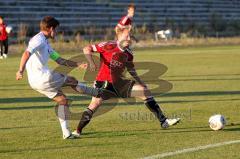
193 149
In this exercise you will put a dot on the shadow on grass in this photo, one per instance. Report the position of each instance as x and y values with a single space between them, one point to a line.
80 98
205 93
190 130
200 129
126 133
35 107
209 79
232 129
37 99
206 75
10 128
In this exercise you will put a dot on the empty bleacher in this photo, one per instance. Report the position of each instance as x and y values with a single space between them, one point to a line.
78 14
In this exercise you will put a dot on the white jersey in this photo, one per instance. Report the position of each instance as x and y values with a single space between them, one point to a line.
40 77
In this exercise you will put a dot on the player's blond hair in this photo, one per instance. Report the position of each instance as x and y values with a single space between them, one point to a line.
122 31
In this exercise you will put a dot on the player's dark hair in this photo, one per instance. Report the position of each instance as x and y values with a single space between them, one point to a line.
131 5
48 22
1 17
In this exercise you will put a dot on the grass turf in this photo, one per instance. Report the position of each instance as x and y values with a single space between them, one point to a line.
205 81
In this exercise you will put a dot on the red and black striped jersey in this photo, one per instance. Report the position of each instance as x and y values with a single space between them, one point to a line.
113 60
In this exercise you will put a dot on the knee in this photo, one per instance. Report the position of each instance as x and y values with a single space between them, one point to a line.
141 92
72 81
140 88
63 101
95 103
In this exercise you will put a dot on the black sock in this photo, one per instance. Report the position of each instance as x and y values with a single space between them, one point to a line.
154 107
86 117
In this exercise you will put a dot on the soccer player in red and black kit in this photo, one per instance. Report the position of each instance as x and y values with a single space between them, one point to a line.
126 21
3 39
115 57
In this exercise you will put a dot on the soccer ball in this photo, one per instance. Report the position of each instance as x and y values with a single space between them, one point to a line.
9 29
217 122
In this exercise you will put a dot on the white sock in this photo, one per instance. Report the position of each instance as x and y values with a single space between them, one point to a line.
62 116
83 88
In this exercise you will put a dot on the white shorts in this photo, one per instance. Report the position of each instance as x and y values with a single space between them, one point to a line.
51 87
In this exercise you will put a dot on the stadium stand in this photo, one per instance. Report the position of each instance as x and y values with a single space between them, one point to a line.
75 15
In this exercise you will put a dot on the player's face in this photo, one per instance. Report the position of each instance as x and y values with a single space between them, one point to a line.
1 20
124 39
52 32
125 43
131 12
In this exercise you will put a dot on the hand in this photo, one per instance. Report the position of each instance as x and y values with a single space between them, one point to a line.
82 65
93 67
19 75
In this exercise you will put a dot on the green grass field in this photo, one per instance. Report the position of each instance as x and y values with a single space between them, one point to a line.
205 81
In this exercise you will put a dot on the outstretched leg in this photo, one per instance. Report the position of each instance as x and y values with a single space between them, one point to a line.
81 88
84 89
143 93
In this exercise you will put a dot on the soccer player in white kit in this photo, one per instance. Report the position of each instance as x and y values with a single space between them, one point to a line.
46 81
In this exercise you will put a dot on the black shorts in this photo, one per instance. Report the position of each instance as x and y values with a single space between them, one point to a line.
121 89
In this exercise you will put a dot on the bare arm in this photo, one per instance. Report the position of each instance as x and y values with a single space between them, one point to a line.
24 59
69 63
88 54
118 29
134 74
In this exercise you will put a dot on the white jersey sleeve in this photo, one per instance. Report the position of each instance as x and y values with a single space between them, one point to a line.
35 44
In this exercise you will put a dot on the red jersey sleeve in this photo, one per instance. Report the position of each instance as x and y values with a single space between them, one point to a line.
124 22
99 47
